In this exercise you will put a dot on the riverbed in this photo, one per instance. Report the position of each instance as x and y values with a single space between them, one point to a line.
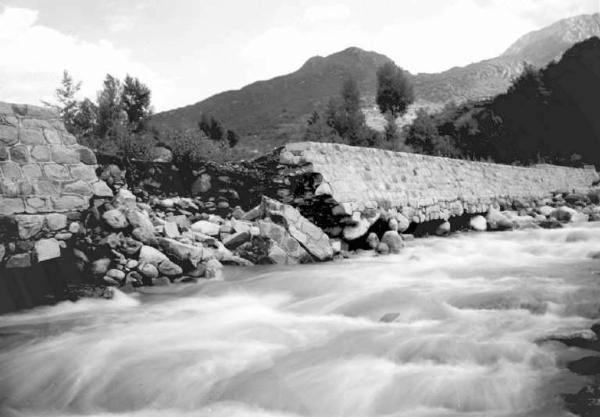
457 326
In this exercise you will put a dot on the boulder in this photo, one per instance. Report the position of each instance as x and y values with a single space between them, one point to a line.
206 227
182 251
356 231
138 218
284 241
393 224
233 241
564 213
151 255
478 223
161 281
169 268
116 274
56 221
100 189
311 237
125 198
46 249
498 221
443 229
373 240
19 260
213 268
146 236
115 219
383 249
545 210
161 154
171 230
393 241
403 223
100 266
130 246
148 270
29 225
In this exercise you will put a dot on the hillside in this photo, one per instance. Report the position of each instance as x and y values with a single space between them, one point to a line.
272 112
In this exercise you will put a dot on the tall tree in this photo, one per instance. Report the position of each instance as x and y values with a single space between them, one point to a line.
232 138
394 90
110 119
67 103
135 101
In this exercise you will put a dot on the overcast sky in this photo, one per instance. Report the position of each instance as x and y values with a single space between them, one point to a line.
187 50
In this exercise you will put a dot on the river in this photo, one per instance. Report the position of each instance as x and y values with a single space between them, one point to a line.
457 326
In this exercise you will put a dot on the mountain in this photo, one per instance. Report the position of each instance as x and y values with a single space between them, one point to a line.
272 112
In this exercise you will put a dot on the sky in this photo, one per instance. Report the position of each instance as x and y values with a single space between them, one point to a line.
187 50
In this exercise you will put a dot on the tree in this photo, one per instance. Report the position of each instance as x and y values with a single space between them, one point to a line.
135 101
67 103
391 129
394 91
110 119
85 119
232 138
216 129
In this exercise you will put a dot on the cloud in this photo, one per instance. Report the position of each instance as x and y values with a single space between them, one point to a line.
327 12
34 56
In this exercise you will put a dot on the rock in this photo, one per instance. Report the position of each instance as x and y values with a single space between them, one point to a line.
233 241
161 281
403 223
202 184
577 199
161 154
182 251
169 268
206 227
171 230
525 222
393 224
116 274
138 218
100 266
550 223
357 230
74 228
46 249
130 246
373 240
110 281
125 198
336 245
20 260
100 189
131 264
478 223
393 241
56 221
284 241
146 236
545 210
253 213
151 255
115 219
29 225
498 221
237 213
148 270
213 268
580 218
63 236
564 213
443 229
382 248
2 251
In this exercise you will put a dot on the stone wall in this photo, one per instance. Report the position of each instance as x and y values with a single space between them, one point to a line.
424 188
42 168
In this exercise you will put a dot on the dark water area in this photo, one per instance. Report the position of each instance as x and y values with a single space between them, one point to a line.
459 326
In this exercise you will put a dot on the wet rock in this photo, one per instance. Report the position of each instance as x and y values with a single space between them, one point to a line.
46 249
498 221
130 246
393 224
403 223
206 227
545 210
115 219
197 272
356 231
161 281
393 241
131 264
373 240
382 248
169 268
116 274
283 242
148 270
478 223
443 229
213 268
564 213
233 241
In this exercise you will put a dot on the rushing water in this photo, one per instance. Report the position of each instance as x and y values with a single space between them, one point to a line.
466 329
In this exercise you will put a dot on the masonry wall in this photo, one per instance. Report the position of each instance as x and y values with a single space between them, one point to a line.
42 168
425 188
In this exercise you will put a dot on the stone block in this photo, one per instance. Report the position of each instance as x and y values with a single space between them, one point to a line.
20 260
68 139
56 221
29 225
84 172
32 137
11 206
63 155
31 171
48 187
87 156
40 153
69 203
52 136
78 187
3 153
56 172
9 188
10 170
25 188
36 205
46 249
100 189
9 135
19 154
30 123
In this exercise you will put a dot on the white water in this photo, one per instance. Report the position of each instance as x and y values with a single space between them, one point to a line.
472 314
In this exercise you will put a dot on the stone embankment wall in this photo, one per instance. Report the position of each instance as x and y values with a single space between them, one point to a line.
42 168
423 188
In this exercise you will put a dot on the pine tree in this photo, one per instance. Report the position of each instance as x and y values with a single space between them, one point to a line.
394 91
135 101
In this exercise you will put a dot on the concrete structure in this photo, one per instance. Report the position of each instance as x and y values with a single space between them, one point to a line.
424 188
